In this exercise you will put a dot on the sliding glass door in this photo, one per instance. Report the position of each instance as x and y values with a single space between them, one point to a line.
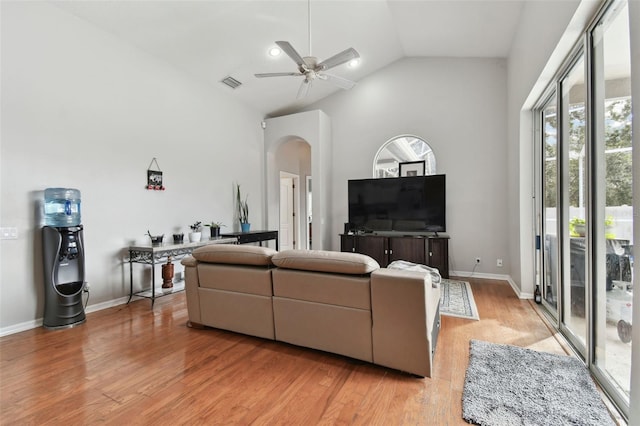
549 210
612 202
573 187
585 201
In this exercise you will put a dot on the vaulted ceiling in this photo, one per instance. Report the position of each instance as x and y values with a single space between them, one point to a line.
210 40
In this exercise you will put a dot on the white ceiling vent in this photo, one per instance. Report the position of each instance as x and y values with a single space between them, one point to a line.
231 82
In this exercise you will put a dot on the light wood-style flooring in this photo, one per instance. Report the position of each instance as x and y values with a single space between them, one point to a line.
134 365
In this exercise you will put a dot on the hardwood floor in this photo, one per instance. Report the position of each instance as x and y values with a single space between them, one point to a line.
133 365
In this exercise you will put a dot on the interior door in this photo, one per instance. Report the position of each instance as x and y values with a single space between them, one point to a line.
309 200
287 214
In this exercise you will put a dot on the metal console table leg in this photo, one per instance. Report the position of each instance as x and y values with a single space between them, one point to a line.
153 281
130 278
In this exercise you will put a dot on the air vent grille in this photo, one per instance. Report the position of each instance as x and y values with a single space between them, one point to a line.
231 82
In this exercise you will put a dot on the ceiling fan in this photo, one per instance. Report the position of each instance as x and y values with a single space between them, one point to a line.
311 69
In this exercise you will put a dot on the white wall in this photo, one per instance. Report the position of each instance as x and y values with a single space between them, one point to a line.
82 109
459 107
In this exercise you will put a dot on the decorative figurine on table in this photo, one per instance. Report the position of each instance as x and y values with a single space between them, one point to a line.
167 273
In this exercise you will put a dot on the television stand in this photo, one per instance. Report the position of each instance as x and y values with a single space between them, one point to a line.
386 247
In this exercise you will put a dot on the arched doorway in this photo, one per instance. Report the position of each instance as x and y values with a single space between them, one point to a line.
312 128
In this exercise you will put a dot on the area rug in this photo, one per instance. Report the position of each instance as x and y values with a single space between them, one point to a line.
456 300
509 385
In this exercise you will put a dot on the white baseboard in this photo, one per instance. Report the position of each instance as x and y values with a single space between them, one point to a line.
107 304
23 326
29 325
502 277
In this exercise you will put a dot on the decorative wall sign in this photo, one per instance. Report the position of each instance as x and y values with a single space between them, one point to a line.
154 177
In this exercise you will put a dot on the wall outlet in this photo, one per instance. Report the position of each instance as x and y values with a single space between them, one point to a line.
499 263
477 260
10 233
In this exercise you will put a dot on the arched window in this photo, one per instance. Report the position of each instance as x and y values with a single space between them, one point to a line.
403 149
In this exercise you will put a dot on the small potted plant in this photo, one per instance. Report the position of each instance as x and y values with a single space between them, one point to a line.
243 211
196 232
215 228
156 240
577 227
178 235
609 224
178 238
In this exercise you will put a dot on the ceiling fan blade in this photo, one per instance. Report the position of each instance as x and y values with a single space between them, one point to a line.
339 59
342 83
291 52
277 74
304 89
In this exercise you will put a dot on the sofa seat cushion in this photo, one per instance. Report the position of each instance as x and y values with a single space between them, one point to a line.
240 312
234 254
326 261
333 289
336 329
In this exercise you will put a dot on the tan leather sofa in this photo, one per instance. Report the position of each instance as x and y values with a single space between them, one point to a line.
342 303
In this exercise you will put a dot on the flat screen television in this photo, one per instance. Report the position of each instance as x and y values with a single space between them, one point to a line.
406 204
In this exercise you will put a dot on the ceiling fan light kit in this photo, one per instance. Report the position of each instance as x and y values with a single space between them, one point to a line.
275 51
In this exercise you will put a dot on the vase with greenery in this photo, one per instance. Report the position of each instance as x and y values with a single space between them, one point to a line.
215 228
243 210
196 232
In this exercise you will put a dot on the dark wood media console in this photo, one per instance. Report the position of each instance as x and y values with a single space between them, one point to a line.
427 250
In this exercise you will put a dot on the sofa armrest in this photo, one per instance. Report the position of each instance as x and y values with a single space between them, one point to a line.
189 261
191 283
403 311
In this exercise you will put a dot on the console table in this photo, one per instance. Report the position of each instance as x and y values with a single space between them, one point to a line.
253 237
153 254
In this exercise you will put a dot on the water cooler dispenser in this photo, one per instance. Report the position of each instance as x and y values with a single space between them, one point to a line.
63 252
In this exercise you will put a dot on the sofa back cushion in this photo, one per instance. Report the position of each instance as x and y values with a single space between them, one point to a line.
237 278
232 254
326 261
351 291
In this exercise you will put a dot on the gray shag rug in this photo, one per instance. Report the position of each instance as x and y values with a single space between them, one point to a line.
509 385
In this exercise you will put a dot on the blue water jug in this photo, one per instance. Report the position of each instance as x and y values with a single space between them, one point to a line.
61 207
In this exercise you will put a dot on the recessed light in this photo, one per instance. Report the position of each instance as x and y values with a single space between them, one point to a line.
354 63
275 51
